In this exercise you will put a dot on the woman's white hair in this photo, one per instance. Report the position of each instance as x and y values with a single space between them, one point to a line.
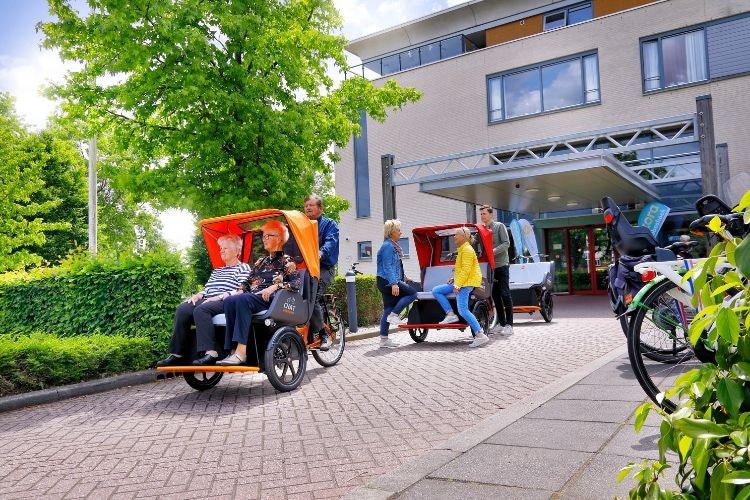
389 226
465 231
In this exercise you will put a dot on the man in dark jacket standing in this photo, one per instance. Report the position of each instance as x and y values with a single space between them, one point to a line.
501 287
328 244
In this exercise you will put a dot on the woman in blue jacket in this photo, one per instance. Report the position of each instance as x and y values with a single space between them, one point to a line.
397 295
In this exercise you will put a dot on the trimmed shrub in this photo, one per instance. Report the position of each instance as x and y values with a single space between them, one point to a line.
133 297
369 300
38 361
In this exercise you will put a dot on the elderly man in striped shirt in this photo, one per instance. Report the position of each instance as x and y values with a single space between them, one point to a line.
200 308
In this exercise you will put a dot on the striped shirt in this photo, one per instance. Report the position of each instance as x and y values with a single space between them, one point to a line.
226 279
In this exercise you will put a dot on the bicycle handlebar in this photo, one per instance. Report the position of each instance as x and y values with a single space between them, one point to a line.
733 223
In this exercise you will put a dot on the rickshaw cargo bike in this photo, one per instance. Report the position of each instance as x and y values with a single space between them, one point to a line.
281 335
531 284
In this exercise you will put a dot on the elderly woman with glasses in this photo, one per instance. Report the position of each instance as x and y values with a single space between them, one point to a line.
269 275
466 276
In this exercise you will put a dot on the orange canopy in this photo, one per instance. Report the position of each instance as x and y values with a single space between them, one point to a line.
303 231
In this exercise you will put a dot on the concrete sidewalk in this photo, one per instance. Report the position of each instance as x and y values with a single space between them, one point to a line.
568 440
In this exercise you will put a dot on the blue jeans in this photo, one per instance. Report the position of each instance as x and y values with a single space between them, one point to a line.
239 310
462 302
406 295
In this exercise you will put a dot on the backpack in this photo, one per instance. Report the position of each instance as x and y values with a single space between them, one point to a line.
626 282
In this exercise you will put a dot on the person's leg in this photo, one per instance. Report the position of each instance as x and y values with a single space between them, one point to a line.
406 295
440 293
230 311
388 302
183 320
504 282
497 297
326 278
462 303
205 332
246 305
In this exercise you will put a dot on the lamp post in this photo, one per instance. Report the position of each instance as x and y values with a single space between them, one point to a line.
92 196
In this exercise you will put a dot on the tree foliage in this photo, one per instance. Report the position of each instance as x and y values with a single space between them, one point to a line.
22 204
214 107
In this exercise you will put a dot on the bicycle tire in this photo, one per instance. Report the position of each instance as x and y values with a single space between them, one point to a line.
334 325
658 346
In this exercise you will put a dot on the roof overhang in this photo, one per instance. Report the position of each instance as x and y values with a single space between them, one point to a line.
553 186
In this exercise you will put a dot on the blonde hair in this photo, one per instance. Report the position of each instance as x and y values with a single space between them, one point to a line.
389 226
465 231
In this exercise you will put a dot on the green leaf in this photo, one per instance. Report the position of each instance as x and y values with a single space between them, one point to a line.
684 446
730 395
719 487
699 458
625 472
742 370
728 325
744 201
742 257
700 428
641 413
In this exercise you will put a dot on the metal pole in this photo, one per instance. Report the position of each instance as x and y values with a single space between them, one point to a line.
389 190
707 144
92 196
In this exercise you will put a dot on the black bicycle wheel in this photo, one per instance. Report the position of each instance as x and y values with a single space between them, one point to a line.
337 333
418 334
202 380
285 363
658 344
482 314
547 306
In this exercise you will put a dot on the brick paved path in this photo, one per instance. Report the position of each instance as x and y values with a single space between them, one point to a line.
343 427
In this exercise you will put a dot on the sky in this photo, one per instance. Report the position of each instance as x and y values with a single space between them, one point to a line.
25 67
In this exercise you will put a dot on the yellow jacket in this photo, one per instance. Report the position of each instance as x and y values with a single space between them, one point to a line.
467 272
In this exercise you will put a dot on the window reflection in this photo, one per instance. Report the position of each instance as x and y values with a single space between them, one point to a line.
522 94
683 60
562 85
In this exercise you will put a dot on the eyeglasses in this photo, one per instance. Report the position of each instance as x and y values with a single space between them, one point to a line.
269 236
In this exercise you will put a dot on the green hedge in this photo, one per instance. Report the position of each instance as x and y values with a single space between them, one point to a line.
132 297
369 300
39 361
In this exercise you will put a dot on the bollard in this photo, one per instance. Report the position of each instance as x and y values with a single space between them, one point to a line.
351 300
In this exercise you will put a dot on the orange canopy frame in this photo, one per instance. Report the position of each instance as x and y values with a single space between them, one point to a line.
303 230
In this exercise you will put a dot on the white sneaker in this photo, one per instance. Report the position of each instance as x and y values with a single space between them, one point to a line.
479 339
385 342
507 330
449 319
498 328
393 319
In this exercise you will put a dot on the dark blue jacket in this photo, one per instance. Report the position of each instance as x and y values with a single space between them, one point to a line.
328 241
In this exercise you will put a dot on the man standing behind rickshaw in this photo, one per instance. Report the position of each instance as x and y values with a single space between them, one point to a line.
328 243
501 287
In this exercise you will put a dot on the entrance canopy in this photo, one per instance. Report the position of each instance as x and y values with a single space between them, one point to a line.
553 186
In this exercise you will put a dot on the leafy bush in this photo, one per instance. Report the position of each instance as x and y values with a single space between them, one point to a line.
39 361
369 300
134 296
709 432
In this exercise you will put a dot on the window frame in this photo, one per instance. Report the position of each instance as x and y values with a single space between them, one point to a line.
404 244
360 247
566 15
660 58
538 68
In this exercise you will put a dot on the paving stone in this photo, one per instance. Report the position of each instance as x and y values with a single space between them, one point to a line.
523 467
599 480
583 411
555 434
434 489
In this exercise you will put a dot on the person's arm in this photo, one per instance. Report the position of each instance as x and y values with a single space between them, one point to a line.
330 242
461 271
389 267
502 236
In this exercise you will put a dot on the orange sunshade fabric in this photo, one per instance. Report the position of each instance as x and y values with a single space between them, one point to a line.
304 230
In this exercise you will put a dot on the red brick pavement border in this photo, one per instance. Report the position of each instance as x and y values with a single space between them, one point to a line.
343 427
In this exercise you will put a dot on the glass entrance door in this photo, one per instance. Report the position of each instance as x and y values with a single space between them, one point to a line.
581 256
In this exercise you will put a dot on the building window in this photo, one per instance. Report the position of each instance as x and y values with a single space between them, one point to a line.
572 15
364 250
675 59
404 244
362 169
546 87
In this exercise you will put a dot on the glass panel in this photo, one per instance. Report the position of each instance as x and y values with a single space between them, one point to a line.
562 85
522 95
684 58
364 250
496 99
580 14
451 47
651 78
391 64
404 244
556 246
372 69
556 20
429 53
591 78
409 59
579 259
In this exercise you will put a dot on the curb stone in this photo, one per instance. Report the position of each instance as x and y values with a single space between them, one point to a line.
18 401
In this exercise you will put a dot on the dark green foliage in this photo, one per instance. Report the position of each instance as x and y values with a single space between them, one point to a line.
134 296
369 300
198 259
39 361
